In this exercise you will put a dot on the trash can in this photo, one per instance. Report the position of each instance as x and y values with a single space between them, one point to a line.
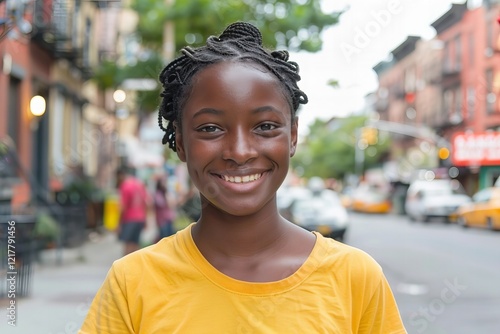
111 216
17 254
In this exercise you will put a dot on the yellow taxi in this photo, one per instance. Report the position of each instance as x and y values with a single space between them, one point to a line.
367 199
483 211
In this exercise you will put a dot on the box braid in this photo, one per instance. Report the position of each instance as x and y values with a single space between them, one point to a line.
239 41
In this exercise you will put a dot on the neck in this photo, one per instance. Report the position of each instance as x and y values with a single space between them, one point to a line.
239 236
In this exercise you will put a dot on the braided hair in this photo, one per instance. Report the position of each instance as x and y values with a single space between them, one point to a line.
241 41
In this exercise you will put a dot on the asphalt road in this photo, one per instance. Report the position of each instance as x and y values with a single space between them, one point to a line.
446 279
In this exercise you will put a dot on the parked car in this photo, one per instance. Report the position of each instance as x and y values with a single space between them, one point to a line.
483 211
346 196
287 194
437 198
315 209
370 199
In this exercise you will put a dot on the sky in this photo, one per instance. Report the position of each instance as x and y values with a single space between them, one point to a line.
365 35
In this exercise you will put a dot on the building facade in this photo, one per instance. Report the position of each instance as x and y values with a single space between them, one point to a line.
449 84
49 48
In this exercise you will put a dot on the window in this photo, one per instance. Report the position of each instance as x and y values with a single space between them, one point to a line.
482 196
75 22
489 38
446 57
457 109
490 96
447 102
458 53
75 126
86 43
471 102
60 17
471 48
410 80
57 128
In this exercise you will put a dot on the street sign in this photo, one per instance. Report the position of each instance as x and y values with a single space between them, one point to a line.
476 149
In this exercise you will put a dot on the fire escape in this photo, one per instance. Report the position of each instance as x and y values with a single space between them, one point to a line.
55 29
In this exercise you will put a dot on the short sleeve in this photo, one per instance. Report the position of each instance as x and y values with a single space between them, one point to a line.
109 312
381 316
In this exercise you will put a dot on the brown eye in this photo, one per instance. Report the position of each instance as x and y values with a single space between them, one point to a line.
267 127
209 128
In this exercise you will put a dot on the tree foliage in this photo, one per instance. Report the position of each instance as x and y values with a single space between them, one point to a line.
292 24
328 150
289 24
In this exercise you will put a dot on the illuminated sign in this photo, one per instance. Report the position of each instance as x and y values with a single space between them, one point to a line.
476 149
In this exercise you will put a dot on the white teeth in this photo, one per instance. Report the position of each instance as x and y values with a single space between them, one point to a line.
241 179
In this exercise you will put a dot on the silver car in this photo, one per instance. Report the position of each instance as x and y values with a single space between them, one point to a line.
437 198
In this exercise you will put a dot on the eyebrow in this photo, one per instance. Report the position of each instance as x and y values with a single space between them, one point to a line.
213 111
207 111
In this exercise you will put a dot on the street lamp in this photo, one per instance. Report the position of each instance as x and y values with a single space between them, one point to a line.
39 128
37 105
119 96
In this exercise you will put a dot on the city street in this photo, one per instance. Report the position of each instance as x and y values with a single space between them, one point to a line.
61 293
445 278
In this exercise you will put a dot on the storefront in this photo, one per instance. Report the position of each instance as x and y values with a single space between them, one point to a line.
479 152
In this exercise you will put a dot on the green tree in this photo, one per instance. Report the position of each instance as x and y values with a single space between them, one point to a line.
290 24
328 150
293 24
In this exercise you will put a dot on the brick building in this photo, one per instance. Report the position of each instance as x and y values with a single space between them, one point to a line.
49 48
449 84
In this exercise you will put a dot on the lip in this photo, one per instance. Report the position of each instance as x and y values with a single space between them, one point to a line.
240 186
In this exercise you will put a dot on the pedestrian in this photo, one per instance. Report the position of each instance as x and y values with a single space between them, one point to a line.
230 110
134 202
164 211
190 205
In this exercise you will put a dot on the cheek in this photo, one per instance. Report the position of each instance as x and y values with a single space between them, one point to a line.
278 149
198 151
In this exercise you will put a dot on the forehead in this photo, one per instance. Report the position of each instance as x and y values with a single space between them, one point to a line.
236 80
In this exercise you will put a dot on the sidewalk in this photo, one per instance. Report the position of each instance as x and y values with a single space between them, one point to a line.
61 293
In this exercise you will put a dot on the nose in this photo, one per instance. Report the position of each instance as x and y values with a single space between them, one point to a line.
240 147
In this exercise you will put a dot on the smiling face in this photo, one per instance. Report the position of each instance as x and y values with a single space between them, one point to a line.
237 137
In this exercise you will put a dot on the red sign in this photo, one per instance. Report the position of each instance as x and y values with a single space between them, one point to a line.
476 149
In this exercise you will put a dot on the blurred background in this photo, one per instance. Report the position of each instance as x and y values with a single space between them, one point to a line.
399 145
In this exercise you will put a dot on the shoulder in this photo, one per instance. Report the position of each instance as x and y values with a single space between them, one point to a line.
147 261
348 262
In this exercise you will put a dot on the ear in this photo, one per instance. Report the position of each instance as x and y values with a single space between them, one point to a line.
179 143
294 136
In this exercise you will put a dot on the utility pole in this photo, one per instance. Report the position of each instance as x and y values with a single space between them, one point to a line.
169 37
359 154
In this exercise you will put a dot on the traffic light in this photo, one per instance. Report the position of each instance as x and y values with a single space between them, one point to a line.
443 153
369 135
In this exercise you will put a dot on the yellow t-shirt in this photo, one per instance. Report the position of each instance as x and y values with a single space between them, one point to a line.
170 287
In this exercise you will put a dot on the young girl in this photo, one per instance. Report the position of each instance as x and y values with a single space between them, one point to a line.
230 111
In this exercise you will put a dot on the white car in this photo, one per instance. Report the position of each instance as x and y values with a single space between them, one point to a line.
322 212
437 198
315 208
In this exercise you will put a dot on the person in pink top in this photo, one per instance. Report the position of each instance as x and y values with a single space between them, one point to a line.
134 208
164 211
